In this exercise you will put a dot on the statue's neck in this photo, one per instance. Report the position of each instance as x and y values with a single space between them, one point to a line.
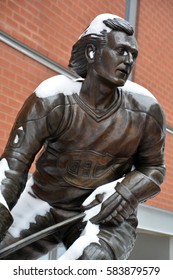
97 93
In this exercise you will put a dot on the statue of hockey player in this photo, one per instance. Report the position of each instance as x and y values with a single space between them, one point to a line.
102 142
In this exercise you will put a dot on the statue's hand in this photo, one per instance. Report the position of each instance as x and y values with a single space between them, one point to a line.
6 220
114 210
97 200
111 203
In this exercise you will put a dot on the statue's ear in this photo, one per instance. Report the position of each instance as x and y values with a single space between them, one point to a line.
90 53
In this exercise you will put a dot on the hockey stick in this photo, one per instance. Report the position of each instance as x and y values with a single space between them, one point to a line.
37 236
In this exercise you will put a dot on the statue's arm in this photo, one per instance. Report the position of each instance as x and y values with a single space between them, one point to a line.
144 181
26 139
32 128
18 155
39 119
36 122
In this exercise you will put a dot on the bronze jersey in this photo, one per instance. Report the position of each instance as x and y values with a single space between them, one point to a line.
84 148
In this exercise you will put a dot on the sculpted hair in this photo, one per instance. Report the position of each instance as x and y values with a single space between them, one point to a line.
78 61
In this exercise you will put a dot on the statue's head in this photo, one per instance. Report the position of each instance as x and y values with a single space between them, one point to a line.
94 38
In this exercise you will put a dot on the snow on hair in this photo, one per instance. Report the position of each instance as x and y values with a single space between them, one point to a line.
95 34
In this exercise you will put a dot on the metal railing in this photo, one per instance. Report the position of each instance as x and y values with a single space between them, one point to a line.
37 236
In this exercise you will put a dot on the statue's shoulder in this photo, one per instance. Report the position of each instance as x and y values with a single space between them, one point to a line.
50 94
138 98
56 85
138 93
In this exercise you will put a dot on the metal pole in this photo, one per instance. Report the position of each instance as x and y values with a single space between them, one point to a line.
131 16
37 236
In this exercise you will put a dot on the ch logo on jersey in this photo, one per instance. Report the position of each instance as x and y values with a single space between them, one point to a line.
81 168
86 169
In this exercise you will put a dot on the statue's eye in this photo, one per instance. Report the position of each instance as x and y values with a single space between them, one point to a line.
134 54
122 51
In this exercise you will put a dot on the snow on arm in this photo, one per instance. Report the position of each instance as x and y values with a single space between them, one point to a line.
90 232
22 213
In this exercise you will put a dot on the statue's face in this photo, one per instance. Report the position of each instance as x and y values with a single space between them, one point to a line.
117 58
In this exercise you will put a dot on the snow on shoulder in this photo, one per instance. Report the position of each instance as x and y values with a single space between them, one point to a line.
58 84
136 88
62 84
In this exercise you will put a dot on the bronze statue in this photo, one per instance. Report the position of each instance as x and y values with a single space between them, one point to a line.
102 145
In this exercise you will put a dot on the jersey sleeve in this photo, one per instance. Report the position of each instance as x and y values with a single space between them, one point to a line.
145 180
30 132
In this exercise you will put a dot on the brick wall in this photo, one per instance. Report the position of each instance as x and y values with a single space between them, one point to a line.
154 70
52 26
20 75
155 62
